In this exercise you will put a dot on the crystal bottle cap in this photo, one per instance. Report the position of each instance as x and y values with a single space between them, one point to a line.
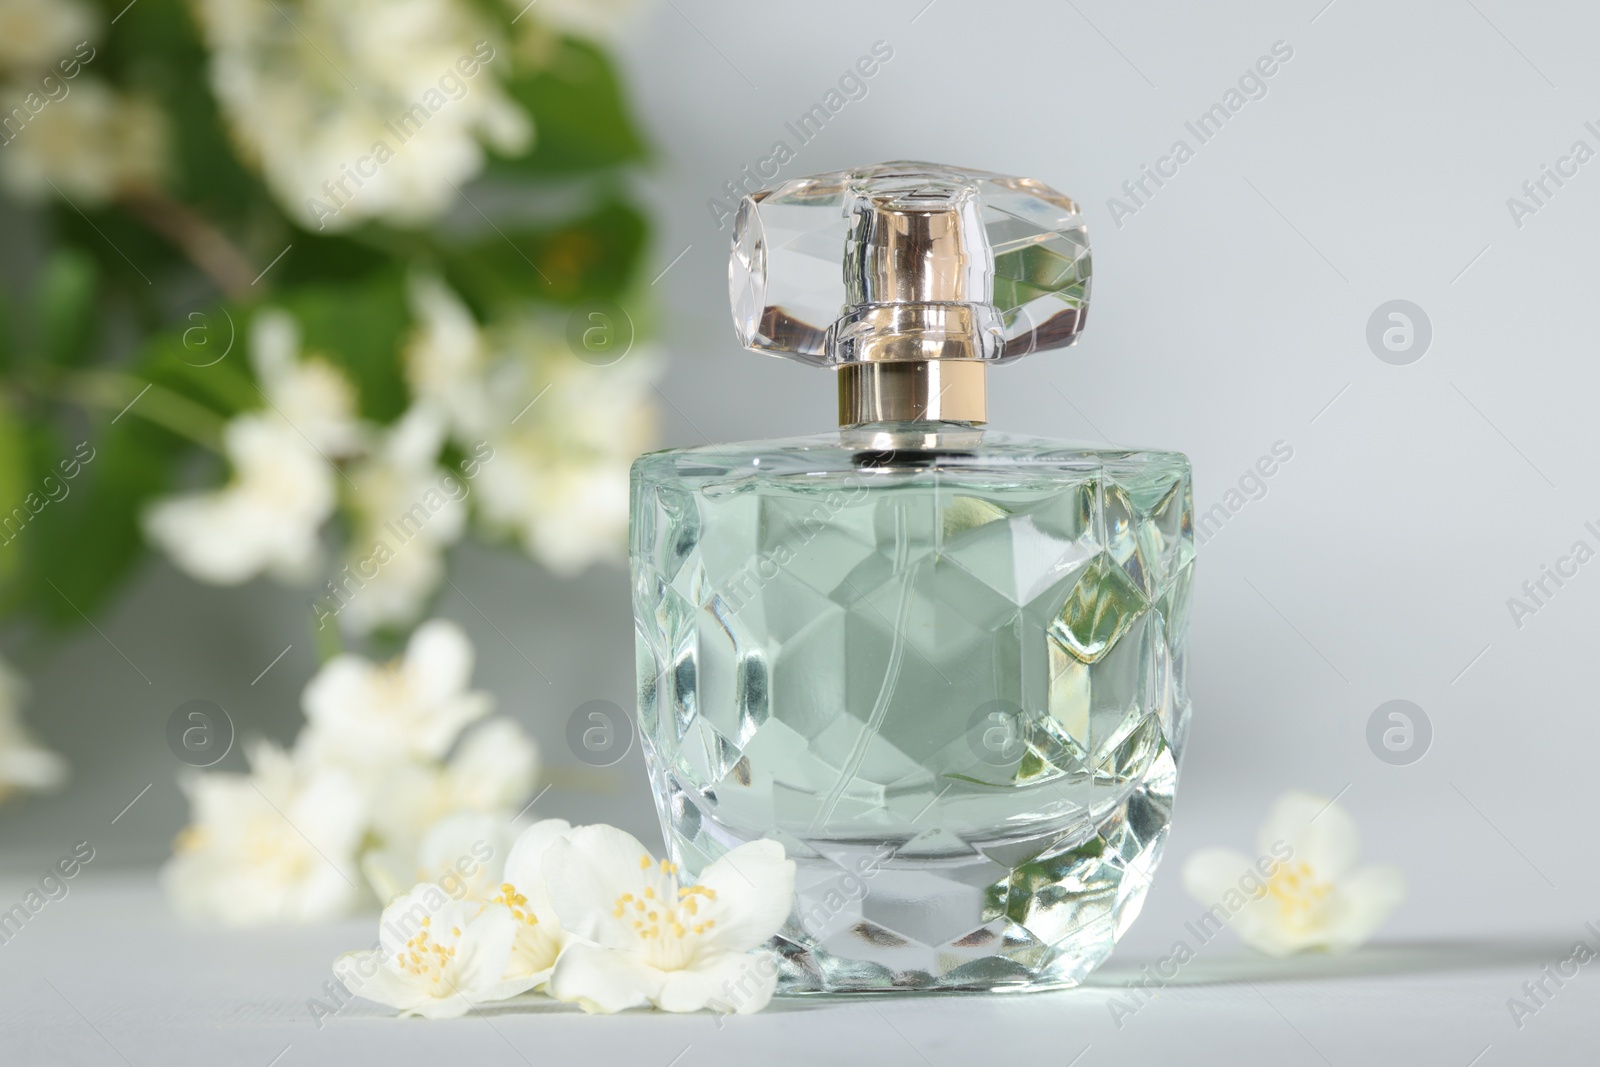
909 278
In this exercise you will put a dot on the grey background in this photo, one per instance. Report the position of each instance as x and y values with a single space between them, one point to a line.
1230 313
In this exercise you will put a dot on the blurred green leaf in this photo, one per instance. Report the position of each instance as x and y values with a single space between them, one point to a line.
359 326
9 341
316 258
82 545
83 542
580 116
206 360
129 256
66 301
13 488
155 48
587 259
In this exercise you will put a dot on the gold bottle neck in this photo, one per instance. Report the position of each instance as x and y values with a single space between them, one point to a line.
943 390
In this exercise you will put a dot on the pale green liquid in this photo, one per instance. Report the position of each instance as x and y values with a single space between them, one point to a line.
950 681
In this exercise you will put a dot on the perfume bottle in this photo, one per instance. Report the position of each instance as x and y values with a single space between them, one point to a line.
943 666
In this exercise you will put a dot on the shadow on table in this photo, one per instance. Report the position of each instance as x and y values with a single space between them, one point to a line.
1397 959
1373 961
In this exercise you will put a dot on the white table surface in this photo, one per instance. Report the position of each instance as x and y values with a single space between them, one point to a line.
108 975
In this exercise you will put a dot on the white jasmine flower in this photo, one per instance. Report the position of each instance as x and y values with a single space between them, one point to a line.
276 845
641 938
264 521
364 714
540 936
1313 899
439 957
24 763
408 511
314 396
492 770
494 767
559 480
362 109
90 144
446 358
39 33
573 514
464 852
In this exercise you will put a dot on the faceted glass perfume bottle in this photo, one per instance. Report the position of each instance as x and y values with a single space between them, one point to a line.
943 666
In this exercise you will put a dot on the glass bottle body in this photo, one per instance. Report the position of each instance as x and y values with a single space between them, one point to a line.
943 666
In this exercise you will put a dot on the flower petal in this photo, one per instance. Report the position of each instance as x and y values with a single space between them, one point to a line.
585 872
341 683
1260 925
364 974
494 766
463 853
525 864
735 983
406 913
274 345
754 884
482 952
1322 834
507 988
1211 873
439 660
1360 904
603 980
452 1007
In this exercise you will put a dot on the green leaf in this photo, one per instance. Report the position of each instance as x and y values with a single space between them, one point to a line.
591 258
82 545
359 326
155 48
66 298
206 360
9 341
580 115
316 258
129 256
13 489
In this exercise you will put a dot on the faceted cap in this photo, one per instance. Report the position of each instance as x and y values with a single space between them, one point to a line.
908 262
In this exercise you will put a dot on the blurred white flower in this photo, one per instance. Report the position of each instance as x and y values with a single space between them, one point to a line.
24 763
540 937
559 480
641 938
1314 898
367 715
264 521
276 845
315 397
38 33
141 143
446 358
493 770
408 511
439 957
464 852
362 109
89 145
562 433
